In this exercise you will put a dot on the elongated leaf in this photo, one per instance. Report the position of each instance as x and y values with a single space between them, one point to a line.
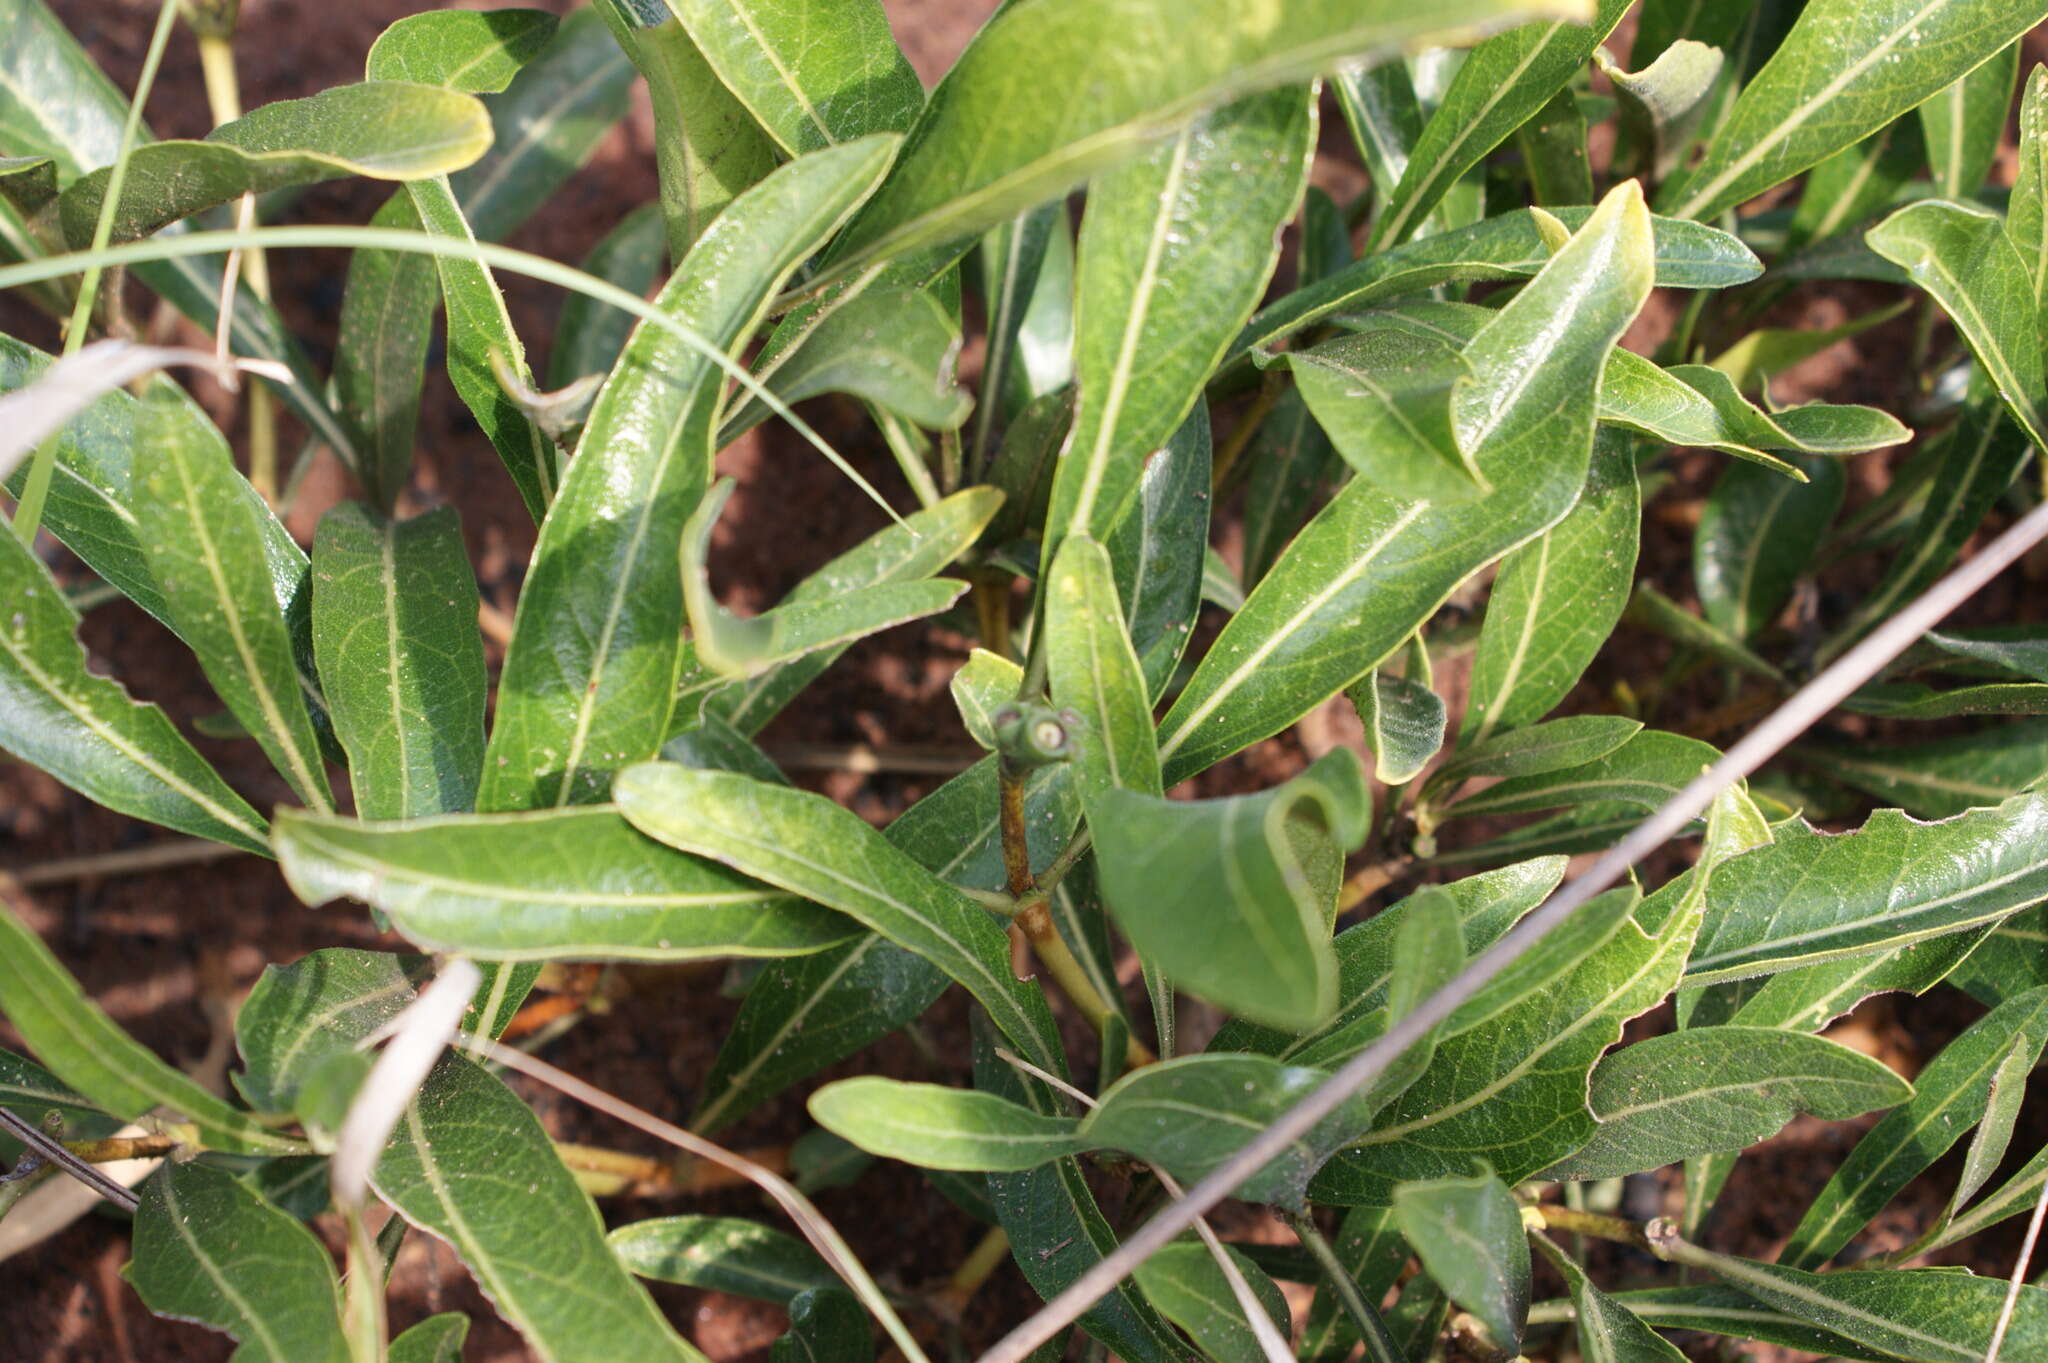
804 1014
1537 749
1183 1281
1502 84
922 545
83 1047
1369 1245
591 674
1290 457
1714 1089
437 1339
387 320
559 883
326 1002
394 632
1232 898
826 1325
1847 189
813 75
203 537
1757 534
1368 570
1715 1309
1926 1314
988 145
1159 546
1813 897
1094 673
1658 613
1964 259
1608 1331
764 832
470 1164
2026 218
723 1254
30 1091
85 731
940 1127
1963 124
1946 776
386 129
1845 70
477 53
1950 1096
1404 725
1507 246
1175 251
209 1249
1026 267
2007 1092
1557 599
1644 772
590 335
1469 1233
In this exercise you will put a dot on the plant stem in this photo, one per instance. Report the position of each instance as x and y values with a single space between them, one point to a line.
28 512
1370 880
992 611
1379 1345
1576 1222
1016 838
1034 922
950 1301
130 1147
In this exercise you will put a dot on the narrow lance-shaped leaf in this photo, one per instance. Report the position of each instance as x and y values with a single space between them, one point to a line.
723 1254
1608 1331
299 1015
1945 776
826 1325
763 831
1368 571
1556 599
2026 215
1174 253
707 148
989 145
1964 123
207 1248
470 1163
939 1127
203 537
1644 772
1093 672
590 335
544 885
1184 1282
1503 83
1964 259
394 632
1845 70
83 1047
1469 1234
1404 724
1159 549
1950 1096
461 49
84 729
1757 533
1663 104
591 673
1708 1090
1369 1245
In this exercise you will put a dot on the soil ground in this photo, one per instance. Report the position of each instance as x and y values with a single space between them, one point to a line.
165 953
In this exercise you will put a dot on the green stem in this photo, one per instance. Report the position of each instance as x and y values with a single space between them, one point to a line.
1379 1345
28 513
1596 1225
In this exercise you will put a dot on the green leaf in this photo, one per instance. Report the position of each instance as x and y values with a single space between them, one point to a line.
208 1249
989 145
1757 534
764 831
737 647
1608 1331
813 75
380 357
1644 772
572 883
1814 897
1232 898
722 1254
590 334
1714 1309
87 1050
707 148
1709 1090
1026 269
1159 550
1504 82
1847 189
1555 600
84 730
1469 1234
2007 1091
1912 700
470 1164
804 1014
2016 1197
31 1092
477 53
1950 1096
1175 251
1945 776
2026 215
1662 105
321 1005
1845 70
2012 964
203 534
437 1339
2019 649
1184 1282
921 545
402 663
1404 725
1508 246
1552 144
1658 613
1714 415
1964 123
826 1325
1290 458
1531 1057
1935 1315
1369 570
1537 749
1383 396
1369 1245
1965 261
28 182
1094 673
591 673
941 1128
385 129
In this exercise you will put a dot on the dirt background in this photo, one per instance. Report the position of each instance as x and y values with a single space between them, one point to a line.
167 954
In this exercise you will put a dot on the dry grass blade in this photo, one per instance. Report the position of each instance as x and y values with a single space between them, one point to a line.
418 1036
1790 720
